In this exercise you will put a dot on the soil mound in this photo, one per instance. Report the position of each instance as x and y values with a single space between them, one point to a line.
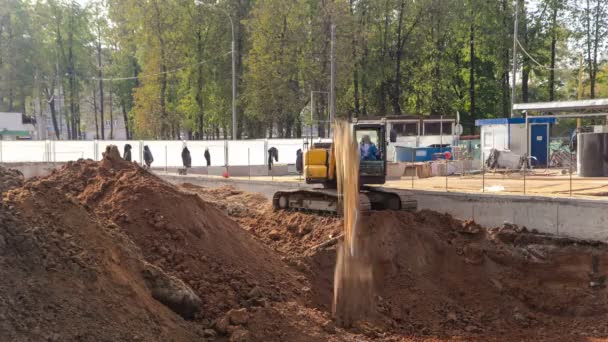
439 276
10 179
442 278
179 233
67 276
291 233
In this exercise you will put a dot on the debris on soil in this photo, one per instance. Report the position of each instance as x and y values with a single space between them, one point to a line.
10 179
171 291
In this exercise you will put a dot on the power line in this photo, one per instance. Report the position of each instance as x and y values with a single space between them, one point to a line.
153 75
172 71
535 61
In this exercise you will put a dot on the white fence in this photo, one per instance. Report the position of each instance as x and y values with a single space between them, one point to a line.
166 153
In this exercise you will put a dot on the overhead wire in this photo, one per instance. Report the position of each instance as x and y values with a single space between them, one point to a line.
153 75
172 71
535 61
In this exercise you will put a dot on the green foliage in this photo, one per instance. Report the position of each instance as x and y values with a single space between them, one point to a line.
167 63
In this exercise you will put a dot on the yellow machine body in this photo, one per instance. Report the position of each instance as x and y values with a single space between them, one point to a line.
319 165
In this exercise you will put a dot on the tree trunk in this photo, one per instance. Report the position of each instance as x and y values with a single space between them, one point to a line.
553 43
525 67
111 114
95 114
164 124
589 59
355 64
51 101
596 43
199 85
399 51
472 109
125 117
506 107
100 76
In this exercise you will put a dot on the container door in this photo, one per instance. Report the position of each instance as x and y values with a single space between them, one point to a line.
539 144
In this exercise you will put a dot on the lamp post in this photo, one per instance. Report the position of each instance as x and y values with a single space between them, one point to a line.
199 3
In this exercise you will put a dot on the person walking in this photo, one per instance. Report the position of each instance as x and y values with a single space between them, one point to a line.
127 153
186 158
207 157
148 158
299 161
273 153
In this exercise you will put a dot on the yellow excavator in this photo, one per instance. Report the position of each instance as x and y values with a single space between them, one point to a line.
320 168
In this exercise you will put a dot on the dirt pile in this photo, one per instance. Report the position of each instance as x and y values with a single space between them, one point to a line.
441 278
67 276
291 233
107 251
237 204
181 234
10 179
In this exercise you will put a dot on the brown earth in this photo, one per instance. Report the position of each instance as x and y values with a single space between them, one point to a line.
180 233
10 179
68 276
92 252
440 278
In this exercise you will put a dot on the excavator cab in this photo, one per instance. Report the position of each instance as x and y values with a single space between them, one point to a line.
320 164
372 152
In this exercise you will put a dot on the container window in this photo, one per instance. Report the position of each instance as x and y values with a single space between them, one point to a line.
406 129
434 128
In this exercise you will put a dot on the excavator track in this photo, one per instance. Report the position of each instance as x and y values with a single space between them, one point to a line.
326 200
388 198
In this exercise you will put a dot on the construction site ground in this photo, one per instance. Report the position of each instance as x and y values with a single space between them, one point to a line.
554 183
107 251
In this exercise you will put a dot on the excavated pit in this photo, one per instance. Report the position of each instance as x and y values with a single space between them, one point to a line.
437 277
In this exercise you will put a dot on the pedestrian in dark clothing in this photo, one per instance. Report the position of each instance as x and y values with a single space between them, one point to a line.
127 153
299 161
186 158
207 157
148 159
273 153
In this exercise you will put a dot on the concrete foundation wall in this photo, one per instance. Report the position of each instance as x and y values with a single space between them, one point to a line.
579 218
234 171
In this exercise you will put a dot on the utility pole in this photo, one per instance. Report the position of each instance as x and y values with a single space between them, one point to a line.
513 91
233 85
580 85
332 87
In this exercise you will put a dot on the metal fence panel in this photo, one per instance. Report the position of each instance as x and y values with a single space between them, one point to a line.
166 152
287 149
238 150
216 151
63 151
23 151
